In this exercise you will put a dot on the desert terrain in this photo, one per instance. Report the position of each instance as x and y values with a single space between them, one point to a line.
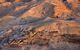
39 24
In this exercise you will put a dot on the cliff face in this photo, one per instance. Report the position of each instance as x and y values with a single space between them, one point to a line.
39 24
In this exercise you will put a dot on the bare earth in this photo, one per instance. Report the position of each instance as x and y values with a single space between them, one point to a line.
39 24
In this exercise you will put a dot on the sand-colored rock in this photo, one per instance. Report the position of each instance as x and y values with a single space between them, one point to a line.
45 9
39 24
2 1
61 9
33 13
18 0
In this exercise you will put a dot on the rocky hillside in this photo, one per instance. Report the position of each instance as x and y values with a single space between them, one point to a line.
39 24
